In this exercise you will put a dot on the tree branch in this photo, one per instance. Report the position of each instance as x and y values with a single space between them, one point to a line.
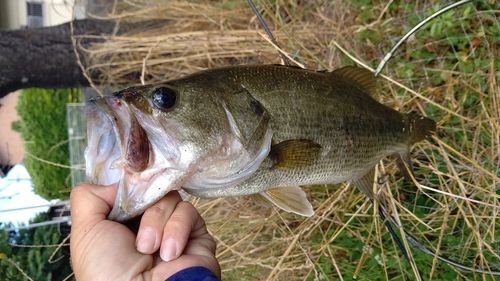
45 57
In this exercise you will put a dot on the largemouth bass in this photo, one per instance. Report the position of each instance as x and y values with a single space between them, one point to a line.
261 130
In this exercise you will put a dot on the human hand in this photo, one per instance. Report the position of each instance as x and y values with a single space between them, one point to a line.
172 236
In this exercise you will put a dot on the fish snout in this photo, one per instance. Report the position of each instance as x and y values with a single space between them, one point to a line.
128 94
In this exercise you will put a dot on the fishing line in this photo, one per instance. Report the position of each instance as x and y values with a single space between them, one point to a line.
414 241
387 223
269 33
388 56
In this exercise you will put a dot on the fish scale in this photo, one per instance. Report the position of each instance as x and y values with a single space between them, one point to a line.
352 136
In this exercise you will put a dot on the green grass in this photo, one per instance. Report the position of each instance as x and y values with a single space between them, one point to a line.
36 251
450 71
450 63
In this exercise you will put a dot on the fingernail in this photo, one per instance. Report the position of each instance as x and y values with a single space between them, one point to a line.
146 240
168 250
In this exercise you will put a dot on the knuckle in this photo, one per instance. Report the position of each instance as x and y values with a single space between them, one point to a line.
187 209
77 191
155 212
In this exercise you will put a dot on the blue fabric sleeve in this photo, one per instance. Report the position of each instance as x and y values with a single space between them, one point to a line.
196 273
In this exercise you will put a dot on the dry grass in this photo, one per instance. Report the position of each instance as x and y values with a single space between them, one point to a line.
455 208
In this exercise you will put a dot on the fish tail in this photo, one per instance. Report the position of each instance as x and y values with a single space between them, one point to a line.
420 127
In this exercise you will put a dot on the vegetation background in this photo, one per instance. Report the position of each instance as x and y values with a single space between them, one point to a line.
448 70
41 253
38 254
44 130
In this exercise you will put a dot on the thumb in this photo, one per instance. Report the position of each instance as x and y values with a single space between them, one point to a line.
91 203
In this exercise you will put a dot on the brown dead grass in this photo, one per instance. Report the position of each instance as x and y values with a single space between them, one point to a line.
344 238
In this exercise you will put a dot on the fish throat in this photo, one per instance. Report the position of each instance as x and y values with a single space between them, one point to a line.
137 147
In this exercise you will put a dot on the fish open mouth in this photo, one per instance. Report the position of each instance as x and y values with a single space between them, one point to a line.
126 146
118 148
120 143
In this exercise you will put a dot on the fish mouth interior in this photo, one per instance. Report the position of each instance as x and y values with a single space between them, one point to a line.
114 135
103 150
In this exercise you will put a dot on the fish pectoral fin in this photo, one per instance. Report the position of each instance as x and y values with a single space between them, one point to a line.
365 183
362 76
292 154
291 199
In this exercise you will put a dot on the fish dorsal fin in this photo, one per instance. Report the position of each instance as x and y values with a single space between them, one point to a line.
291 154
362 76
291 199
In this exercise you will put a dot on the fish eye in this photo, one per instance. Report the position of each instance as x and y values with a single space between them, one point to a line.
164 98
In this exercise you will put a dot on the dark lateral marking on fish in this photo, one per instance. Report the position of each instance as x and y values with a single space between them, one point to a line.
257 107
291 154
137 148
347 126
349 138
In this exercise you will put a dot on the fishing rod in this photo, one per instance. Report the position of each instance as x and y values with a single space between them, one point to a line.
389 55
286 61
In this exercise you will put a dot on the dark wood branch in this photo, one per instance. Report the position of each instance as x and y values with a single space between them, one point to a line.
45 57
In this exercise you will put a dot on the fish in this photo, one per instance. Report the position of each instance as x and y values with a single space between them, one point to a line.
258 130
